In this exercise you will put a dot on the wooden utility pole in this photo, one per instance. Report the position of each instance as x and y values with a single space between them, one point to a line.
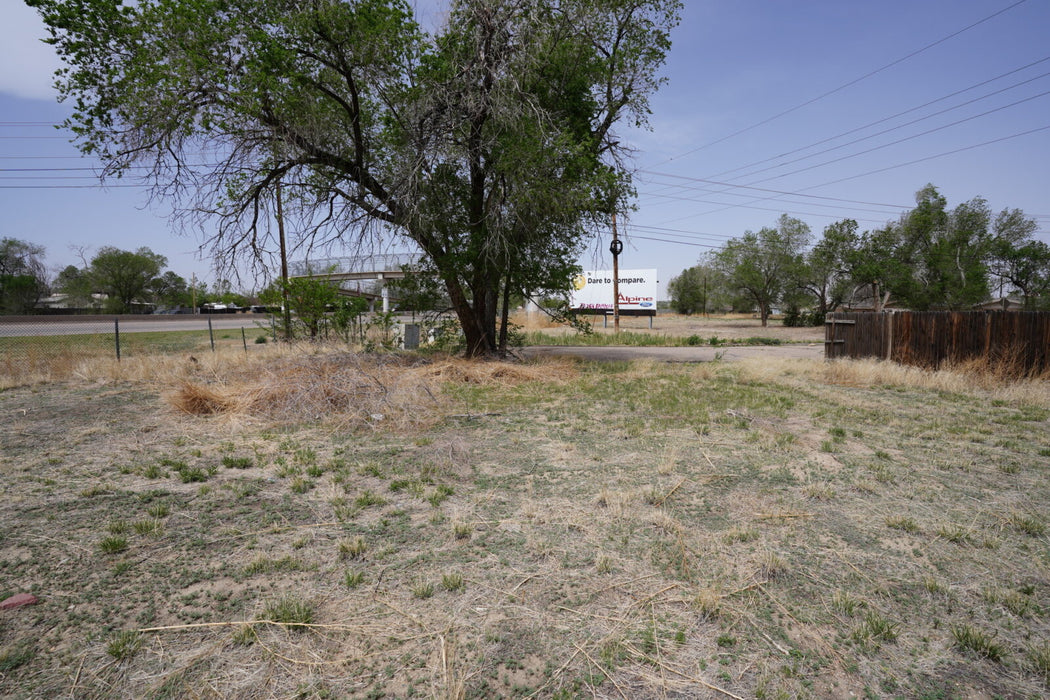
616 247
287 312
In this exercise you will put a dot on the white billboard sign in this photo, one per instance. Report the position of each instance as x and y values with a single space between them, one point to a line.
593 290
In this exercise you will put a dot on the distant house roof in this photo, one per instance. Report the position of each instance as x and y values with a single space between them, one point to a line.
61 301
1006 303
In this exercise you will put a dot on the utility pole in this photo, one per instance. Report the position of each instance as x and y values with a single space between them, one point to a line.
287 312
705 296
616 247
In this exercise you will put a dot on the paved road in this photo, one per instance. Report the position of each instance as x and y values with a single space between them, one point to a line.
130 324
699 353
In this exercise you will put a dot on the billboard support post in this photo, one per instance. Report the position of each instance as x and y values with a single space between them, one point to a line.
616 247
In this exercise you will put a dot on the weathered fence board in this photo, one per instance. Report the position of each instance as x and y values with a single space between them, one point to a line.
931 338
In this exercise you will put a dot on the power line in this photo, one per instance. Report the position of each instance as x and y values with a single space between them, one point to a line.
46 177
896 142
901 126
64 187
846 85
765 189
871 172
938 155
663 240
778 210
898 114
43 170
77 157
681 233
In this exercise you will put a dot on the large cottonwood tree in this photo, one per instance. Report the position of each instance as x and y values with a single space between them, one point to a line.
763 266
489 145
125 276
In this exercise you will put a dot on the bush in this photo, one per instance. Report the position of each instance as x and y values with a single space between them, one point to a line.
793 318
796 318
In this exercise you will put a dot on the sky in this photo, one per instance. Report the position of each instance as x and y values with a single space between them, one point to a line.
820 109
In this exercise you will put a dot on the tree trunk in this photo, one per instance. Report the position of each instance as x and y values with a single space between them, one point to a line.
504 318
469 320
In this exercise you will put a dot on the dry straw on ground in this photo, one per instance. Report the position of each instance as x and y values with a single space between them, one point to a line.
967 379
760 529
350 389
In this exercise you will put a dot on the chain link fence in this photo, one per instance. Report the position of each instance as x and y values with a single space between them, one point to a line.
54 345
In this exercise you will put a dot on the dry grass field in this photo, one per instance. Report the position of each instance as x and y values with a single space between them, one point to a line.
671 327
312 523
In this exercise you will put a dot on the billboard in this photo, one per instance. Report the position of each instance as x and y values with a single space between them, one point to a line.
593 291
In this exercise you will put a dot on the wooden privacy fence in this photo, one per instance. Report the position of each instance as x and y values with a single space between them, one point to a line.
1010 340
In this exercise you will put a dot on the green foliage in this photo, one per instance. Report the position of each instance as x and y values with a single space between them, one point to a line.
970 638
77 285
823 279
761 265
798 318
114 544
419 291
294 613
124 644
171 291
489 145
125 276
309 298
692 291
933 257
16 656
452 582
231 462
22 276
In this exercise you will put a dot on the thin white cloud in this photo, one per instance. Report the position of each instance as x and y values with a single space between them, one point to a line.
27 65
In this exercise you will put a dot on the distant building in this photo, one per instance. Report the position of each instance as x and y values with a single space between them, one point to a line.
64 301
1002 304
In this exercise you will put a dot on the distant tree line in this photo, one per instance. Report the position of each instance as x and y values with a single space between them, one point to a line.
932 257
114 281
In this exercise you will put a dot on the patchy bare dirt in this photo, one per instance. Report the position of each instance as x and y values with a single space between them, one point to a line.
746 529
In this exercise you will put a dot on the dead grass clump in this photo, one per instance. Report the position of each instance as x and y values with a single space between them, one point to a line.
349 389
346 389
1007 365
200 400
22 369
968 380
460 371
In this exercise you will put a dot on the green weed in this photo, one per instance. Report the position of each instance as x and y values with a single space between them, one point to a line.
901 522
113 544
970 638
124 644
231 462
16 656
452 582
352 548
292 612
